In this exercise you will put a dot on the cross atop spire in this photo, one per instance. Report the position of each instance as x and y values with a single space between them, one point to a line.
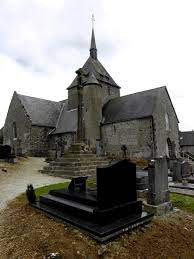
93 49
93 20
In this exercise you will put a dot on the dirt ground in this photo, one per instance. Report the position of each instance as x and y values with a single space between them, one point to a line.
28 233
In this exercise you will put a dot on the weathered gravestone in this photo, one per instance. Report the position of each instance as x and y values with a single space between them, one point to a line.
176 171
104 212
158 198
185 169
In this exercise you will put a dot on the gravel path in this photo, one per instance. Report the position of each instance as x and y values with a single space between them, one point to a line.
14 181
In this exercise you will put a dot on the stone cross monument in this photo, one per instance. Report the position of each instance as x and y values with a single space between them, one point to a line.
80 119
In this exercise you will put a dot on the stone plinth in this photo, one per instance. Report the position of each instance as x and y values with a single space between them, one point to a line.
160 209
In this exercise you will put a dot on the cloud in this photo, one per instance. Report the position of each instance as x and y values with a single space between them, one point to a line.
142 44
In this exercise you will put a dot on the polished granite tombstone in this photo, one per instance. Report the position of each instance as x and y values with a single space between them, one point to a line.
5 152
103 212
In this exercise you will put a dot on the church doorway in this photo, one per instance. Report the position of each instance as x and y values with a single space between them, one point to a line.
171 149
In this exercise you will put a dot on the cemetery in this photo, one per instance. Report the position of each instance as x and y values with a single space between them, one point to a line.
102 176
37 233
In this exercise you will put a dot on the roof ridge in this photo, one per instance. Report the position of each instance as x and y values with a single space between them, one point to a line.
138 92
37 98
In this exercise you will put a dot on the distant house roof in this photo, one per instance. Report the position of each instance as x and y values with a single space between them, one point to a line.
41 112
133 106
186 138
67 121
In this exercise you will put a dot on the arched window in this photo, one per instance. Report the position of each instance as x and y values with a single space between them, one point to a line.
167 121
14 130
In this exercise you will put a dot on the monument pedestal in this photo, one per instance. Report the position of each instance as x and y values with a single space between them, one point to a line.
160 209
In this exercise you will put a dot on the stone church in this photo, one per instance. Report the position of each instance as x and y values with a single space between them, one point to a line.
145 122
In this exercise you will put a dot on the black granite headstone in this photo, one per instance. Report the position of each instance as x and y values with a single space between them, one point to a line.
5 151
116 183
104 212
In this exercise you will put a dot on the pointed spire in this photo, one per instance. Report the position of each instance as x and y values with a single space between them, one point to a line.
93 49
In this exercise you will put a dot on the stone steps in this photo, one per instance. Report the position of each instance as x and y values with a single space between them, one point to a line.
69 173
78 157
74 163
70 167
79 163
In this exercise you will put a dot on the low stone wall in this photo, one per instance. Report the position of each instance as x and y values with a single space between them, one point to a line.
136 135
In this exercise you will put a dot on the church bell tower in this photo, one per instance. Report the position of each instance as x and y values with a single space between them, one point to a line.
98 88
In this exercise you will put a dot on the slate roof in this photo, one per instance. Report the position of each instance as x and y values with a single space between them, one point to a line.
133 106
41 112
93 66
67 121
186 138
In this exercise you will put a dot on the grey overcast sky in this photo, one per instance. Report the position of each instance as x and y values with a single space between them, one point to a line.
142 44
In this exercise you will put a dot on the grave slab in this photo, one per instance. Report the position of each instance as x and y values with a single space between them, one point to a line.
105 212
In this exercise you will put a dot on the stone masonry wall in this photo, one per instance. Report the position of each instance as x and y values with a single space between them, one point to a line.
17 114
161 133
107 92
72 98
137 135
39 142
31 140
67 139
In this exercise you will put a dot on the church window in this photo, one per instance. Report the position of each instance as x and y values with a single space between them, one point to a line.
14 130
109 92
167 121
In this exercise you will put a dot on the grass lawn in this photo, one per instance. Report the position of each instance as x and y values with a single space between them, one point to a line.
45 189
183 202
180 201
